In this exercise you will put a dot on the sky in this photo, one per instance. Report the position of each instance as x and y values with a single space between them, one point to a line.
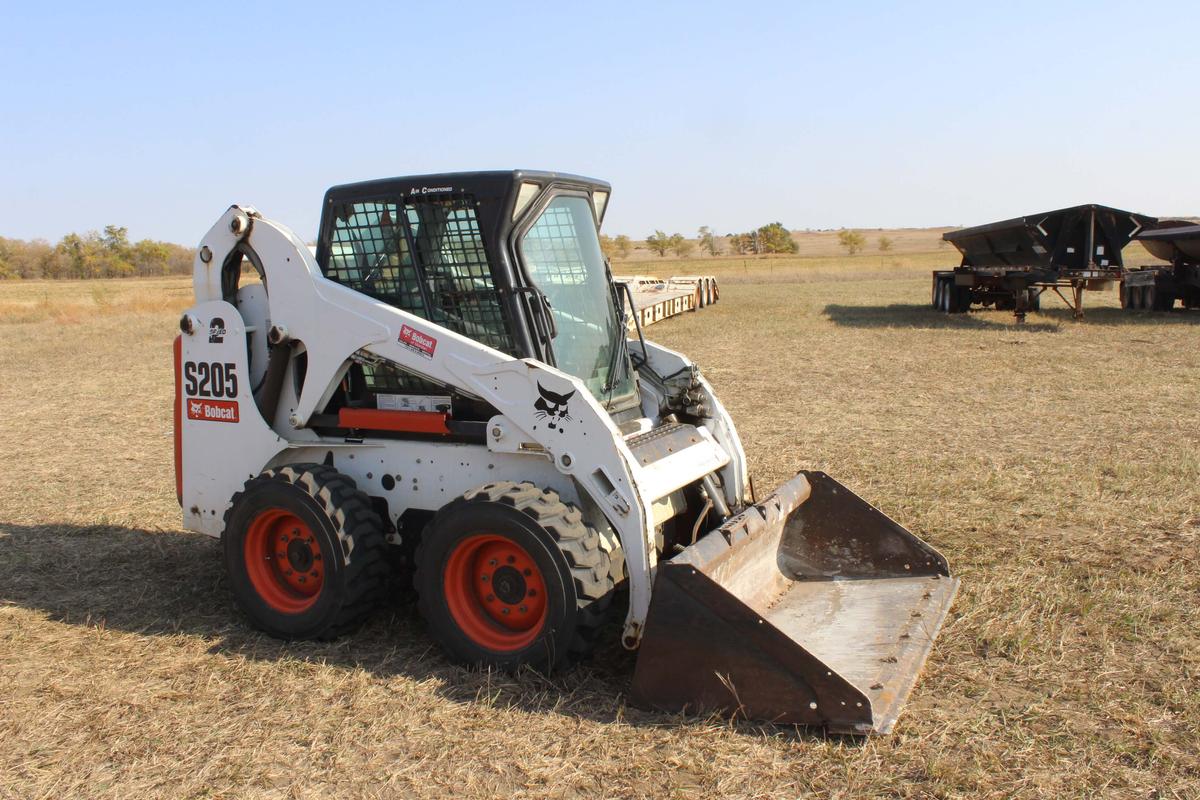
158 116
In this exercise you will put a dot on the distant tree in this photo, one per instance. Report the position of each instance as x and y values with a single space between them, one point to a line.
742 243
681 246
151 258
853 241
885 244
622 245
709 243
606 246
775 238
659 243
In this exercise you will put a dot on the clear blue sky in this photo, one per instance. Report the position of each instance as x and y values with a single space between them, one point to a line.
157 117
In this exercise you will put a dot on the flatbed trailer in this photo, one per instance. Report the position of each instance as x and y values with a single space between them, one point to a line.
1012 263
1158 287
655 300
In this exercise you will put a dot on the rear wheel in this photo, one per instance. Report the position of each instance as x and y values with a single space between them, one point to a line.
509 575
304 552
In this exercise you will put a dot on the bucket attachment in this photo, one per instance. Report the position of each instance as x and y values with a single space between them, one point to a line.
810 608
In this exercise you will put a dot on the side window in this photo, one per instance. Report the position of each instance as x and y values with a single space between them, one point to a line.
447 280
369 253
450 250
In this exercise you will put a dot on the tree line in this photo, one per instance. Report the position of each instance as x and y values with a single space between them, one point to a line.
107 254
772 238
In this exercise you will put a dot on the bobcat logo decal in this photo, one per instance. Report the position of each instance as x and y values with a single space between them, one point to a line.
553 407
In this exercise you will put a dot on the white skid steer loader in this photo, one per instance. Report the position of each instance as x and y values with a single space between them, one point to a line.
447 385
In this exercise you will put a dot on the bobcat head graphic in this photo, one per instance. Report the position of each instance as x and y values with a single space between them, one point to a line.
552 407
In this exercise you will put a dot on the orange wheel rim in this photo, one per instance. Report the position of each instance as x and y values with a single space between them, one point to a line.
495 592
284 561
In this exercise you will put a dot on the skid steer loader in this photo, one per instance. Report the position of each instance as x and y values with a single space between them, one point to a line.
447 387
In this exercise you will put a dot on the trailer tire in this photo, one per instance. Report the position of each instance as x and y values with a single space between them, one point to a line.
304 552
1035 300
935 300
1125 295
543 560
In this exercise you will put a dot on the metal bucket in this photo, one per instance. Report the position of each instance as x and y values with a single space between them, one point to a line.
810 608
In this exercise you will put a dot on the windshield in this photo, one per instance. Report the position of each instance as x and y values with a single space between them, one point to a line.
562 256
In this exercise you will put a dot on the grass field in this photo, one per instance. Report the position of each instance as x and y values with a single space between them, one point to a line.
1056 465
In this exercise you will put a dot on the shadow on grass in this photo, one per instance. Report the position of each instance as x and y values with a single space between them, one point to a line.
168 584
910 315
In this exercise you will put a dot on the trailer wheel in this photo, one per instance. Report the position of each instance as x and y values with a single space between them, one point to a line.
304 551
1123 295
936 300
1034 300
944 293
509 575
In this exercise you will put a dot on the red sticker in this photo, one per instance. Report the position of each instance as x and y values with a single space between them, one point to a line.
420 343
212 410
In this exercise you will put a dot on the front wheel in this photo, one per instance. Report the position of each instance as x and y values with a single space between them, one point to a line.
509 575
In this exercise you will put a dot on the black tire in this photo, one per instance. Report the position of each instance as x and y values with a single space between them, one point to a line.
936 300
1125 295
320 509
1035 300
1164 301
570 563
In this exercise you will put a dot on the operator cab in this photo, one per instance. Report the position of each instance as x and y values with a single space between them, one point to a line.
509 259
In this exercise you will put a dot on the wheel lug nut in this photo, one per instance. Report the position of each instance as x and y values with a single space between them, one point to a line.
295 531
492 563
314 573
289 572
491 598
504 610
512 559
523 609
528 572
302 579
533 592
483 578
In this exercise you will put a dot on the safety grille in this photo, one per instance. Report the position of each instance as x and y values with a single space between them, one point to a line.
451 252
427 257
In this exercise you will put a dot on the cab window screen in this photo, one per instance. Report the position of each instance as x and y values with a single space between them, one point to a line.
450 249
369 252
426 257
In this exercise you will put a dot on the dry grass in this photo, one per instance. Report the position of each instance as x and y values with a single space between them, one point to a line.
1055 465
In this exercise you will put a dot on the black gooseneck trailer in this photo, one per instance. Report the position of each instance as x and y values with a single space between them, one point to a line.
1010 264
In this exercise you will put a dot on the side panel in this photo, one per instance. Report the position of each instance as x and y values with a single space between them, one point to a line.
426 475
224 439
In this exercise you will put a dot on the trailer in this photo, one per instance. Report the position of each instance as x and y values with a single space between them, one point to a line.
1158 287
1010 264
654 299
